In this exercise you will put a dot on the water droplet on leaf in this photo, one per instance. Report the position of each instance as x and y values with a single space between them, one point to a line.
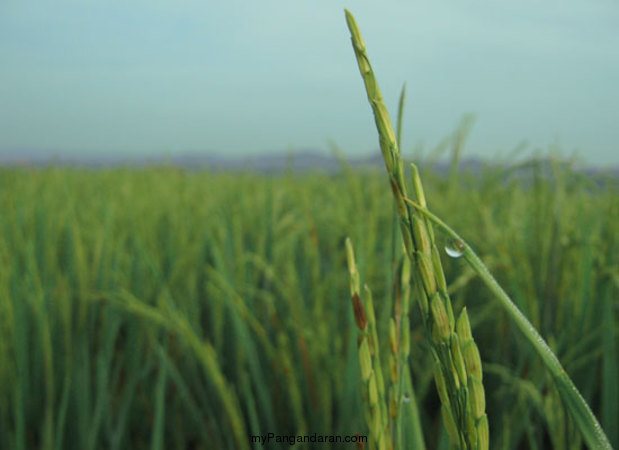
454 248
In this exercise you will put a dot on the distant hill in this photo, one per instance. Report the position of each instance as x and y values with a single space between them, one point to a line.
303 161
266 163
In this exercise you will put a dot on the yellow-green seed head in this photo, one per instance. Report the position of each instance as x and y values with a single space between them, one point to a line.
417 186
375 425
421 235
393 338
436 336
369 303
380 382
450 313
350 256
483 433
471 430
438 270
426 271
450 424
439 314
477 398
405 274
472 360
354 29
365 359
406 337
463 327
454 375
372 389
422 297
385 128
393 369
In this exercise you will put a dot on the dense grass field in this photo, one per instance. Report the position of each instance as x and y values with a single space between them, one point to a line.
161 308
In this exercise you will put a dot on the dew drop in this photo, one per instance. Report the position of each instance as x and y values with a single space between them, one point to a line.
406 398
452 252
454 248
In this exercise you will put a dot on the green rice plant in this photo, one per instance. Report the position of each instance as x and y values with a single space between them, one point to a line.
384 413
586 421
203 352
417 235
249 265
377 412
458 373
401 401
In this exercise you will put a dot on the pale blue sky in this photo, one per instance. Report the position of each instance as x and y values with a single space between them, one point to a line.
246 77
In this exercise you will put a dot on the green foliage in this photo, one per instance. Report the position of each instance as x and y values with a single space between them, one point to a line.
169 309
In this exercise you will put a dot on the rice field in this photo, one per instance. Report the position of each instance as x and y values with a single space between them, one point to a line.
162 308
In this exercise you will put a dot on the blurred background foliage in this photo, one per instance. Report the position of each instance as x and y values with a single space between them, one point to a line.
164 308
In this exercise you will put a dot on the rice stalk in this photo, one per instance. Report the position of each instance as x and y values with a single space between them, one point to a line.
462 397
377 415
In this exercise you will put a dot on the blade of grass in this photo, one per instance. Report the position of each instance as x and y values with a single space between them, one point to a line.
410 422
610 371
158 433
